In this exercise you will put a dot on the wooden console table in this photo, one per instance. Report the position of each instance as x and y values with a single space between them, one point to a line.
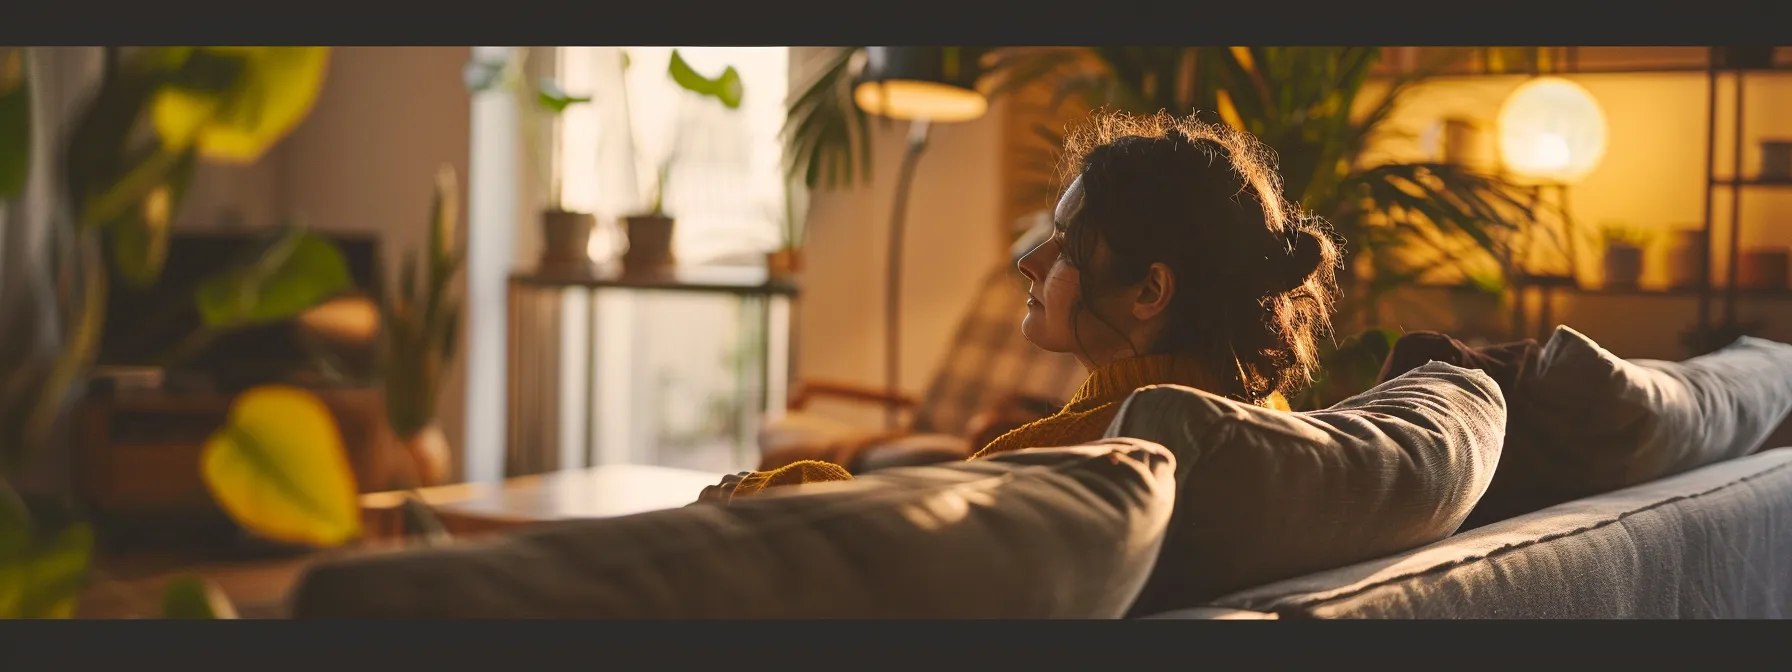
131 586
539 357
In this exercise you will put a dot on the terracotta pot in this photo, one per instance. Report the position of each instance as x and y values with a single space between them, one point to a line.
1623 265
649 243
1763 268
427 454
1686 254
565 237
1776 160
783 264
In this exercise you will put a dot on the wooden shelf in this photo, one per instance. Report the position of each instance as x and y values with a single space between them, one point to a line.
1758 182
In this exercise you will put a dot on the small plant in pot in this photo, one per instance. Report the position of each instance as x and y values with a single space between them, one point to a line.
650 232
784 262
421 323
565 234
1623 255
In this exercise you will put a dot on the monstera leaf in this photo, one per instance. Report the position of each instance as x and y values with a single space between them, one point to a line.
298 272
725 87
272 90
279 469
39 578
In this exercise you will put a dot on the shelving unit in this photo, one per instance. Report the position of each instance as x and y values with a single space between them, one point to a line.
1720 63
1731 63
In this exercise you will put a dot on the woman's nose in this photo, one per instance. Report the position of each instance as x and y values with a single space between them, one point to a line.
1025 264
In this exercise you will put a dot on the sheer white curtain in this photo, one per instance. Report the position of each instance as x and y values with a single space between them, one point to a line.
673 387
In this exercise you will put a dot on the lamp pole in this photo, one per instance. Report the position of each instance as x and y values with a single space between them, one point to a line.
905 178
922 85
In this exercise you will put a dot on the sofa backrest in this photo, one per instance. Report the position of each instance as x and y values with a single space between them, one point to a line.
1715 542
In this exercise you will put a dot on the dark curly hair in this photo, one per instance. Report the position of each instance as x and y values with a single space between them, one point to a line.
1256 278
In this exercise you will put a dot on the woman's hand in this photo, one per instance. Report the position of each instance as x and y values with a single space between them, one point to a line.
723 492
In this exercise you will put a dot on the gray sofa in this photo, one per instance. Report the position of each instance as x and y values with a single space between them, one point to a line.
1200 507
1712 543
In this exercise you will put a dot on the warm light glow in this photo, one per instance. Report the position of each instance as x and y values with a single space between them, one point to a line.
913 99
1551 130
349 319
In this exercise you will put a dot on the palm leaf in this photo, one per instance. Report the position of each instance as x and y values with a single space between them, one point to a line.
825 131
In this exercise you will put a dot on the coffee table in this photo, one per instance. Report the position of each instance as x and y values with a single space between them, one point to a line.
131 587
593 492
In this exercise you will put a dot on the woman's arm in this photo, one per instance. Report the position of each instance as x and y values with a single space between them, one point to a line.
795 473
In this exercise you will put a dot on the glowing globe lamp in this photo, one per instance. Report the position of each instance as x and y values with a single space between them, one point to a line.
1551 130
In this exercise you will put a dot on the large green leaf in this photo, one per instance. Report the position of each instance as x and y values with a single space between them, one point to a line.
279 469
725 87
237 118
298 272
39 578
15 122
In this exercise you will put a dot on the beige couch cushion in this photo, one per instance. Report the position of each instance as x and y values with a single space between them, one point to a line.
1046 533
1587 422
1266 495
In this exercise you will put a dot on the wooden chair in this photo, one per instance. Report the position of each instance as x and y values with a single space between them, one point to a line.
992 379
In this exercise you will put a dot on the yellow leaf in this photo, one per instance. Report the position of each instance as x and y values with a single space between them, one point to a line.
279 469
277 90
1228 112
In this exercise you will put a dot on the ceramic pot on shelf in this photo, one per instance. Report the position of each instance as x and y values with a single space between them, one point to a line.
1763 268
649 243
1686 258
783 263
1623 266
565 237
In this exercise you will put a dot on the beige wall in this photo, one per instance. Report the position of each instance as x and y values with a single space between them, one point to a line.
363 161
954 219
1652 177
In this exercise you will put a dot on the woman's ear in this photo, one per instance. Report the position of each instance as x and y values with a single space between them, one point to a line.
1155 292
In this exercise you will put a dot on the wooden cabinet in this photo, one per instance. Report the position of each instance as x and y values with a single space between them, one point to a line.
137 454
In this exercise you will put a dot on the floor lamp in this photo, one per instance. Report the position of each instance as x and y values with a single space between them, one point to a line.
921 85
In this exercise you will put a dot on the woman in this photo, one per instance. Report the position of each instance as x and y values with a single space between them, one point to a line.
1175 260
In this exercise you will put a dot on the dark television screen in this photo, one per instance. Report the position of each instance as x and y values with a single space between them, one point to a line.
143 325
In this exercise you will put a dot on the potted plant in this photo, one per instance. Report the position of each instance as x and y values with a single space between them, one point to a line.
786 260
98 200
421 324
565 234
1623 255
650 232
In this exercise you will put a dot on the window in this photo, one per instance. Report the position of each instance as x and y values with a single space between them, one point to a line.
726 186
674 381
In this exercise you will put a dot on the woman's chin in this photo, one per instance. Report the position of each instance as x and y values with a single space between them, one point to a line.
1029 329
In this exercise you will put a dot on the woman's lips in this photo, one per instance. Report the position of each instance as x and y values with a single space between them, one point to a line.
1032 301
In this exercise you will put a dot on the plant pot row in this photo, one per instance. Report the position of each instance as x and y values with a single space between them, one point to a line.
566 235
1761 268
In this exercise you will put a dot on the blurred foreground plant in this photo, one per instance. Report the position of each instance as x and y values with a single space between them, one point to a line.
126 165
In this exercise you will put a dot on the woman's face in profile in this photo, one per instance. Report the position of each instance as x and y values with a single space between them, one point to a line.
1055 285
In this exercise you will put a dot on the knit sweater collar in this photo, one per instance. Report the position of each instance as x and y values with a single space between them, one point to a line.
1115 380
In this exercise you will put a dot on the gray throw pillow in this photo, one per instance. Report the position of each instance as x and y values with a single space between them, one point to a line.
1587 422
1264 495
1044 533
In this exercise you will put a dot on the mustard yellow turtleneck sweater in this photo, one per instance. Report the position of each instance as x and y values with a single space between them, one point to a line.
1084 419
